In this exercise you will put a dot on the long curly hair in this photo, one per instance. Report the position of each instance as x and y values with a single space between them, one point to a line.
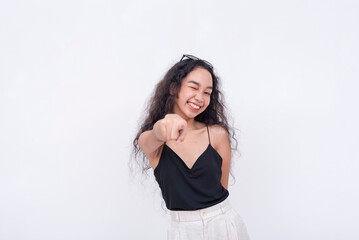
162 102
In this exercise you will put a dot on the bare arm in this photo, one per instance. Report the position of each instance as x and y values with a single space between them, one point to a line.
149 142
224 150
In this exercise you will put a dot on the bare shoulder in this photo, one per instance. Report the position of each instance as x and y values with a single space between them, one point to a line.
218 131
218 135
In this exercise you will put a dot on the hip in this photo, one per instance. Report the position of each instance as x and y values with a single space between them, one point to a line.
219 221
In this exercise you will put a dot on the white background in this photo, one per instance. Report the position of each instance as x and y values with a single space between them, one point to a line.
74 78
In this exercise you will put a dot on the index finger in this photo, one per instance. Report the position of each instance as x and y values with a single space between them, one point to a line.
182 133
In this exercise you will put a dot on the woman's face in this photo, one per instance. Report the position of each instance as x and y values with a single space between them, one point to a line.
194 95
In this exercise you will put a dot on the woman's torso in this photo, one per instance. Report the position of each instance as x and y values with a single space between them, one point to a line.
189 181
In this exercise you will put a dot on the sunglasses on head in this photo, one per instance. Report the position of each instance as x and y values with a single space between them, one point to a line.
195 58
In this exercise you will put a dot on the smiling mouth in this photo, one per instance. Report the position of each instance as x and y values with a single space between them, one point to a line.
196 107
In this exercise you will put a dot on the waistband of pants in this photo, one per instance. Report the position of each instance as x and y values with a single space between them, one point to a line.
201 214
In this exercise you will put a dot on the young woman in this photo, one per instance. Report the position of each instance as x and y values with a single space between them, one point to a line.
185 139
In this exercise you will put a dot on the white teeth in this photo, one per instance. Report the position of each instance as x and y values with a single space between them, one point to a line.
194 106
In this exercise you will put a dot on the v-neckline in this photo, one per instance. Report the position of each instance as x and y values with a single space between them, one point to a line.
184 161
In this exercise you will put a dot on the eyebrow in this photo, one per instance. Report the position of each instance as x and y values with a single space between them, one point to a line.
196 83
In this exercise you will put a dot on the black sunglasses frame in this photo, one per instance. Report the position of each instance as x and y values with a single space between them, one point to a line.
196 58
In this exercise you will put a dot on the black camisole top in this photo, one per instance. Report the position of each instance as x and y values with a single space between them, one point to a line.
185 188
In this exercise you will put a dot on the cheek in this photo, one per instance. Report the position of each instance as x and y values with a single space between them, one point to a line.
208 101
187 96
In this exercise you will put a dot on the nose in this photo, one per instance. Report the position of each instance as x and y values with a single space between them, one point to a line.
199 97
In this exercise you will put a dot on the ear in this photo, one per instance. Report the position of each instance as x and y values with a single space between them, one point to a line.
172 89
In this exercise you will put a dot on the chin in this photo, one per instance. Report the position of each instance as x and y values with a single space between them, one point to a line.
193 115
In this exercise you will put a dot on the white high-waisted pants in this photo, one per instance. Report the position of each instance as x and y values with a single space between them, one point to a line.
218 222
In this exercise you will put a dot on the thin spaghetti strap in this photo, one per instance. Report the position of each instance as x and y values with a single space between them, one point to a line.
209 138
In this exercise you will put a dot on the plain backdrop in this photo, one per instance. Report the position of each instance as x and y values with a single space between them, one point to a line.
74 79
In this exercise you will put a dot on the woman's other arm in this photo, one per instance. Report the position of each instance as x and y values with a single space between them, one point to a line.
223 147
